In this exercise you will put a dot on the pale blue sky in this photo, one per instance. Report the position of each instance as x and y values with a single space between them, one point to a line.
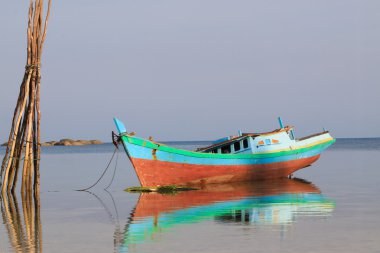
200 69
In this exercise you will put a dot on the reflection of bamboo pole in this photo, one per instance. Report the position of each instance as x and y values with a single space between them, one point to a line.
38 225
10 223
24 229
17 217
27 220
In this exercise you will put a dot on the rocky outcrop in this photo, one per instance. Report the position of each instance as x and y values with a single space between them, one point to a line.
67 142
71 142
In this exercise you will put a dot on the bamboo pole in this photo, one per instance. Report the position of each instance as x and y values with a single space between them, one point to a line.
14 136
19 151
25 132
27 168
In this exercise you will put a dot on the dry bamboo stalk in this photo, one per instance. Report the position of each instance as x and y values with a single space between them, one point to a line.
18 151
28 161
25 129
14 135
12 132
16 111
45 26
38 133
19 142
13 177
28 153
36 183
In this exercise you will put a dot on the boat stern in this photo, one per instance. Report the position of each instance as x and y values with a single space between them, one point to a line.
323 140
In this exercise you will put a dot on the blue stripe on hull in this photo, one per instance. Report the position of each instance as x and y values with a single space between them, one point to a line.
140 152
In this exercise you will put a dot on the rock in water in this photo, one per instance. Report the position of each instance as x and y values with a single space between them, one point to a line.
71 142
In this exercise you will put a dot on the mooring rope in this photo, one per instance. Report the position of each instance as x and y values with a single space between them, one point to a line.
13 139
114 171
104 172
23 158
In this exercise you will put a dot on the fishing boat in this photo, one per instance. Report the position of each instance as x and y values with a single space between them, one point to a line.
244 157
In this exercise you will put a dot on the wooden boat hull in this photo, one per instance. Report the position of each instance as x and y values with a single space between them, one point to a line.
155 172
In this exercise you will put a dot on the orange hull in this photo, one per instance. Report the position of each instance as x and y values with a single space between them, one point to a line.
155 172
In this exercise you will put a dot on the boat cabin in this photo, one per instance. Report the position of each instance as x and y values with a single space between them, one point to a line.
231 146
248 143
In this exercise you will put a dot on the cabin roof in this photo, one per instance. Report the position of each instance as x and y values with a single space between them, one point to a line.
233 139
244 136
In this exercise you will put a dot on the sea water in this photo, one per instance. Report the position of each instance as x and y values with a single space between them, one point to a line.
332 206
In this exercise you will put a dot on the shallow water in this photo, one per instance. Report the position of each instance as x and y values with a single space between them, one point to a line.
334 209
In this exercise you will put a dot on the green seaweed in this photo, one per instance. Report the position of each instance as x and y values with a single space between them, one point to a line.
139 189
166 189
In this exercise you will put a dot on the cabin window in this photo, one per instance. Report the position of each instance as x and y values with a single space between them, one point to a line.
237 146
226 149
215 151
245 143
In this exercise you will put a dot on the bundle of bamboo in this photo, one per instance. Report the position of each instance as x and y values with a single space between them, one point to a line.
25 131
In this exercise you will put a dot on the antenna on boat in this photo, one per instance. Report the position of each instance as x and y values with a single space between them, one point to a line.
280 122
282 126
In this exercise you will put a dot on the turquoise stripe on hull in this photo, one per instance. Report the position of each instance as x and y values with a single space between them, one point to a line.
141 152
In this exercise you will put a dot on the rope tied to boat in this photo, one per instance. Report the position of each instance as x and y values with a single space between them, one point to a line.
104 172
116 139
23 158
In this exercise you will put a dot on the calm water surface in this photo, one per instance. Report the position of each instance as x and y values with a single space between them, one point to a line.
334 208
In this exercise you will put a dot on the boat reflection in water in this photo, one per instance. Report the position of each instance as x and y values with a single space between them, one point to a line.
277 202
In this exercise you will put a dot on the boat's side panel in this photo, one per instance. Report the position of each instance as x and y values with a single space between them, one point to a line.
282 142
270 143
155 172
272 151
146 153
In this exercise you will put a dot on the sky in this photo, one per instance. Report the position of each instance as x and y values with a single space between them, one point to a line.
199 69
